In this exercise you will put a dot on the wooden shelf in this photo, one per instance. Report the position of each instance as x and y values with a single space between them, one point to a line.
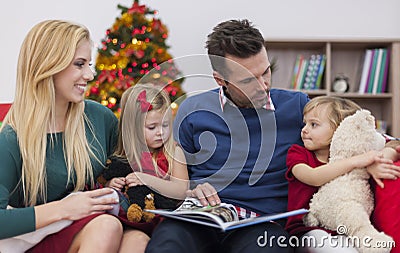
342 57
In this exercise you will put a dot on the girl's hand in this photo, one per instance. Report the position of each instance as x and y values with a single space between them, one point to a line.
133 179
370 158
383 169
82 204
117 183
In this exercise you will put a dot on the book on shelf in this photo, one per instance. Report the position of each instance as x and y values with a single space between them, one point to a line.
308 72
386 70
381 126
365 71
302 73
375 82
311 74
296 71
223 216
372 71
320 72
381 71
371 63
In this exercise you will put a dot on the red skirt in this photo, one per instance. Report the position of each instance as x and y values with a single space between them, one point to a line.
60 242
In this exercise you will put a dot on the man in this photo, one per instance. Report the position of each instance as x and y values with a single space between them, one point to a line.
235 140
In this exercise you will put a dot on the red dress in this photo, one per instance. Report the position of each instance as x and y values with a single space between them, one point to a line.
387 209
61 241
299 194
124 167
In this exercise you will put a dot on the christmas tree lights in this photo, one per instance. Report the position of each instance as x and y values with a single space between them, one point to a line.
134 50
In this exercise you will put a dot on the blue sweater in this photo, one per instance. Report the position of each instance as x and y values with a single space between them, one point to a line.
241 152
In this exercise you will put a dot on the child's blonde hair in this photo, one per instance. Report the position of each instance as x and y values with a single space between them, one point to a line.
132 122
337 108
119 149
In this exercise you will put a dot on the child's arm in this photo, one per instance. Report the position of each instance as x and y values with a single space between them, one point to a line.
176 187
381 171
325 173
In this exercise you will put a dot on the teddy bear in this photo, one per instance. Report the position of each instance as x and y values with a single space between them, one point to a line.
345 204
140 197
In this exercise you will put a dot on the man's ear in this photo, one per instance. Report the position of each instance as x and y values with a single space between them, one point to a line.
219 79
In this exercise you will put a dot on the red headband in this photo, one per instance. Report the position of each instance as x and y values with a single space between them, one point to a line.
144 105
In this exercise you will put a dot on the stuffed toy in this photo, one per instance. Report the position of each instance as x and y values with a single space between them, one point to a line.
141 196
345 203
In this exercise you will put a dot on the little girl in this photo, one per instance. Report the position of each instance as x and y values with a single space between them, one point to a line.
308 166
146 146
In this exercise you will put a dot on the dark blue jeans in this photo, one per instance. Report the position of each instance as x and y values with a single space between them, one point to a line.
178 236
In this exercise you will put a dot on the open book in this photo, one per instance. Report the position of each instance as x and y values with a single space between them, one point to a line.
224 216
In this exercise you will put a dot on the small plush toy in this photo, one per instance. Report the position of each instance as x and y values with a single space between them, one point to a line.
345 203
141 196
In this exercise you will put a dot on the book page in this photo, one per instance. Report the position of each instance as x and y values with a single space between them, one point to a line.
226 212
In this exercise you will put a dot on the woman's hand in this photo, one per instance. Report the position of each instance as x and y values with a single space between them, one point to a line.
206 193
82 204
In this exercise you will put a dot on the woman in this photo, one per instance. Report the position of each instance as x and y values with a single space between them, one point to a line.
53 142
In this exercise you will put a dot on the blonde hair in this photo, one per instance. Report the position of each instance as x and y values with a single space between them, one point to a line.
48 49
119 149
337 108
133 122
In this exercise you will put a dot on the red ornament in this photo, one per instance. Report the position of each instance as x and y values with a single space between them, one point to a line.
136 8
157 25
94 90
124 82
129 52
139 54
108 75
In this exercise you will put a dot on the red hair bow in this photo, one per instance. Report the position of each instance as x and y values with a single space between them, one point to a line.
144 105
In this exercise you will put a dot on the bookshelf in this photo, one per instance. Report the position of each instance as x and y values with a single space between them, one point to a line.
346 57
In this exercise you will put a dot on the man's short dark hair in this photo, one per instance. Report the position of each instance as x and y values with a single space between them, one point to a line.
234 37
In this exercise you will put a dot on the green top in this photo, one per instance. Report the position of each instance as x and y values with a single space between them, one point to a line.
22 220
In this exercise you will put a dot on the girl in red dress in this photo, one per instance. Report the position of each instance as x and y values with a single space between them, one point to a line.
308 166
147 151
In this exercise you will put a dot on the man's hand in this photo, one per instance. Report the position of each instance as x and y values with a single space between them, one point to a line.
383 167
206 193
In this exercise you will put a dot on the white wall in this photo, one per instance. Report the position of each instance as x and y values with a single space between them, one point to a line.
190 21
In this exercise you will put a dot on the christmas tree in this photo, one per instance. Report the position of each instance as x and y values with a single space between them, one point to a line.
133 50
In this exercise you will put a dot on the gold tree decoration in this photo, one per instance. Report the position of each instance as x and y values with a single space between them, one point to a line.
133 49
